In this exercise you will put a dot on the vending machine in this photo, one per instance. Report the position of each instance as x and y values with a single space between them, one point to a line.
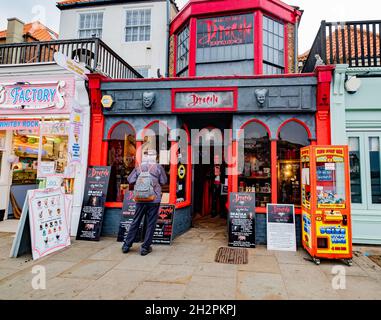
326 205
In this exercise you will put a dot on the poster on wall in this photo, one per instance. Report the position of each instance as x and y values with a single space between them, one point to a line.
128 214
75 135
164 227
47 229
92 213
242 220
281 231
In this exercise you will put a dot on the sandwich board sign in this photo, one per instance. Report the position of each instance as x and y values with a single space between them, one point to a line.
44 224
281 230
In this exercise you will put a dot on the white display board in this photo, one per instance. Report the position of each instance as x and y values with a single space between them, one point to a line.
48 214
281 230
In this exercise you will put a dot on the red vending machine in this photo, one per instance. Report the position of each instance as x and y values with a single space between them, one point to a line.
326 205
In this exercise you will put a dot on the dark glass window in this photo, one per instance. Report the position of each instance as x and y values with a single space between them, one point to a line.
256 175
355 165
273 46
292 137
183 52
121 158
374 158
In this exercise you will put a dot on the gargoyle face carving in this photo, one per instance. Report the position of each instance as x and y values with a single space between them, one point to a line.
261 95
148 99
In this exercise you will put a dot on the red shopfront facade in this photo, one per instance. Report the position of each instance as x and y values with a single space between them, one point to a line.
294 113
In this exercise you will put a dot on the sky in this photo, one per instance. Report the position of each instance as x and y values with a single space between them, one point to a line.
314 12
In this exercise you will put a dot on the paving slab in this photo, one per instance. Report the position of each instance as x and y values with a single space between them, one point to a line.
134 261
218 270
307 282
88 269
60 289
74 254
261 263
158 291
260 286
211 288
172 274
357 288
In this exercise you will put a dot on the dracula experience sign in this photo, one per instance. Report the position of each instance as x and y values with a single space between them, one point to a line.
281 232
225 31
91 219
242 220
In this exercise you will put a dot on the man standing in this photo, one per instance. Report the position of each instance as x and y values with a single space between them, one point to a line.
218 180
148 209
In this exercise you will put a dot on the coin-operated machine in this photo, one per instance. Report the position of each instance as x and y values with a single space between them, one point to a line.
326 210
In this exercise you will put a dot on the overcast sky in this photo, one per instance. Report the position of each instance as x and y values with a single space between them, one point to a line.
314 12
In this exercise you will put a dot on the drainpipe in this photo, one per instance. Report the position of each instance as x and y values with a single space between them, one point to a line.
167 42
296 45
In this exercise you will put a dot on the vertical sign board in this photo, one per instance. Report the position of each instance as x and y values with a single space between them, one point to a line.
242 220
49 220
128 214
164 226
92 214
281 232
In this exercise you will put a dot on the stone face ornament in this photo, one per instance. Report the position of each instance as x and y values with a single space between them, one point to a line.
261 96
148 99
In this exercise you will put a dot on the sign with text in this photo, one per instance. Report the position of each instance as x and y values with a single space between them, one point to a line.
128 215
225 31
205 101
242 220
22 124
29 98
164 226
281 231
92 214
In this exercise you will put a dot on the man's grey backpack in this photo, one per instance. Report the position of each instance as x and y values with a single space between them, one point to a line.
144 187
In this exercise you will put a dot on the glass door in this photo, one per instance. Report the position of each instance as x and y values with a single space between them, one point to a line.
365 169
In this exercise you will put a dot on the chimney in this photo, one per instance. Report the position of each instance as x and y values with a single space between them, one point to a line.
15 31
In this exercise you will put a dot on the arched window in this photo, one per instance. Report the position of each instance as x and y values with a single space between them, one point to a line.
121 157
156 137
292 137
256 175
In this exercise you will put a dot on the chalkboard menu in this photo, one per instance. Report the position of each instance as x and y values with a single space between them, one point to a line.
128 214
164 226
92 214
242 220
281 231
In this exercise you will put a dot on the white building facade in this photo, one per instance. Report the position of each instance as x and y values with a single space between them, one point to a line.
136 30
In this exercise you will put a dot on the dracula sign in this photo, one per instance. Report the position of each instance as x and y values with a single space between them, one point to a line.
225 31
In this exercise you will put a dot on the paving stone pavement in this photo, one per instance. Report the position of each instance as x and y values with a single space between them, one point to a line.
185 270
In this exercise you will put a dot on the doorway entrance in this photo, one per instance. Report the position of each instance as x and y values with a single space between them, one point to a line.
210 179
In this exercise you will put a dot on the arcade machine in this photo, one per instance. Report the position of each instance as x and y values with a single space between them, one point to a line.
326 209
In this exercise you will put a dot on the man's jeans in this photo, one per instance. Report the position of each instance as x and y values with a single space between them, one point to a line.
151 211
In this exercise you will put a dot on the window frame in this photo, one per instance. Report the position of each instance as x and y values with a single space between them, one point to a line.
126 11
187 54
366 195
87 29
265 62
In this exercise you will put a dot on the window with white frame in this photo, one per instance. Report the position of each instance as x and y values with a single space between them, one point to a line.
273 46
90 25
183 51
138 25
365 169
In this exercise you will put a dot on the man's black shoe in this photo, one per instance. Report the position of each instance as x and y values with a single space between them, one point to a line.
144 251
125 249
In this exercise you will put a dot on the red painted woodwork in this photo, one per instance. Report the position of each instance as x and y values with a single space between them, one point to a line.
274 172
323 96
258 41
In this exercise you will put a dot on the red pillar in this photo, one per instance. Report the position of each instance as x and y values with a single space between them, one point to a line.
258 43
192 47
274 172
323 104
97 148
173 172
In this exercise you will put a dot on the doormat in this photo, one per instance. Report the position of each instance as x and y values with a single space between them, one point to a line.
376 260
232 256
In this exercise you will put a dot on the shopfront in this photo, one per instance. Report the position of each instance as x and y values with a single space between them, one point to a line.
254 125
44 123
